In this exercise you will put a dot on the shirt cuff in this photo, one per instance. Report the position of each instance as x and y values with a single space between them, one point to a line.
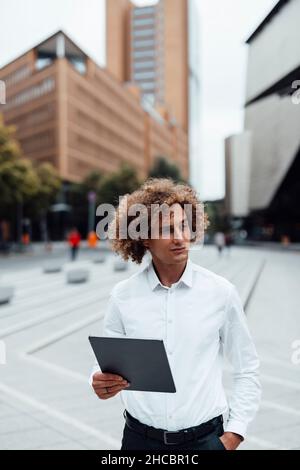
92 375
91 379
238 427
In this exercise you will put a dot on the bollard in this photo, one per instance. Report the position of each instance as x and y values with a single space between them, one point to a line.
77 276
120 265
99 259
6 294
52 267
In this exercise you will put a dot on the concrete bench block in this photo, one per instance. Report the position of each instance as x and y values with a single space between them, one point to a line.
120 265
77 276
52 267
6 294
99 259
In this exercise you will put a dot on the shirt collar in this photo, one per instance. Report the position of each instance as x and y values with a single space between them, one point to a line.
186 277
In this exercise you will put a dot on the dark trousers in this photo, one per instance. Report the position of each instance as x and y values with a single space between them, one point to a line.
74 251
134 441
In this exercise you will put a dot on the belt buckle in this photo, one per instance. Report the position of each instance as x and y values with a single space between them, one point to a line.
166 437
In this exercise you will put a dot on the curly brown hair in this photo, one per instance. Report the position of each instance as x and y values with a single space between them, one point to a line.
154 191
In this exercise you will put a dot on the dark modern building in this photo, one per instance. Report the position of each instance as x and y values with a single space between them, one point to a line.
263 164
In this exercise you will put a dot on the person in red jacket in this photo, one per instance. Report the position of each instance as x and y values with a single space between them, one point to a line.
74 240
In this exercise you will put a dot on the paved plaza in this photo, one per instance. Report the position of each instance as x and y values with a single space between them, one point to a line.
45 399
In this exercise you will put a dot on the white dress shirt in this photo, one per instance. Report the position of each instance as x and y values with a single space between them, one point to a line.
199 318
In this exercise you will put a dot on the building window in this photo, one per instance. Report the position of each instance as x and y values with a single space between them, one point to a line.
143 22
143 54
143 11
43 62
150 97
32 93
17 76
79 64
147 86
148 43
143 32
144 75
144 65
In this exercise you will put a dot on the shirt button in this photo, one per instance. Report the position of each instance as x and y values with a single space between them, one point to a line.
170 417
170 320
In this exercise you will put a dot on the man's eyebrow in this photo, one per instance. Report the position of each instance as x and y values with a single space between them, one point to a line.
172 223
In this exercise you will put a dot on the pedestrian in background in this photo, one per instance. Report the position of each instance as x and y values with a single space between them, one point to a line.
74 240
219 241
228 241
92 240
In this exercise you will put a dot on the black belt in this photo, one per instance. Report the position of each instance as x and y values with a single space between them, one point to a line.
170 437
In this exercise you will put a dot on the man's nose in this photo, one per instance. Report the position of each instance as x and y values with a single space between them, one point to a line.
177 234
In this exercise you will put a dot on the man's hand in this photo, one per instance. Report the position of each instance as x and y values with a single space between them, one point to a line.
108 385
230 440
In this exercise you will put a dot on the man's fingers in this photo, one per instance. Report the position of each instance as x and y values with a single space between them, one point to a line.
107 383
106 376
112 392
104 390
109 395
117 387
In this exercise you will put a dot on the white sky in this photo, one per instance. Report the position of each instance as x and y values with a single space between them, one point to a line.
225 24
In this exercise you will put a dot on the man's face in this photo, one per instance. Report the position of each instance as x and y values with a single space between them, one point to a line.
173 243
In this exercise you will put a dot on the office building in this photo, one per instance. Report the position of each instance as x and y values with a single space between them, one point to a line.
272 122
158 47
76 115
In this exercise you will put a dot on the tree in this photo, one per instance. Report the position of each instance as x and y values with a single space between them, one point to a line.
92 182
77 198
49 185
9 147
163 168
216 214
79 191
18 181
117 184
21 183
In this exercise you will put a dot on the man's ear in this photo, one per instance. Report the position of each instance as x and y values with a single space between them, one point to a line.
146 243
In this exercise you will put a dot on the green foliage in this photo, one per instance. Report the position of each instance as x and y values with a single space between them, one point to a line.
216 214
20 181
163 168
79 191
77 197
9 147
92 182
117 184
49 185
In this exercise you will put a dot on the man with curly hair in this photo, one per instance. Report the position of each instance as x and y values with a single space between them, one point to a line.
199 316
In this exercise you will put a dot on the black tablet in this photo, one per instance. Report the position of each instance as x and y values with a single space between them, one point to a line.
142 362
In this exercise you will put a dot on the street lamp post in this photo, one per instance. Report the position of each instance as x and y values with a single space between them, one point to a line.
92 210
